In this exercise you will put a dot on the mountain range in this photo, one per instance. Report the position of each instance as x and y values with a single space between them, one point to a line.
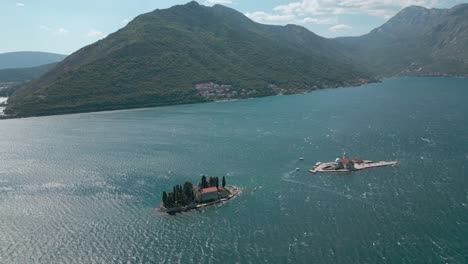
193 53
11 79
25 74
28 59
20 67
417 41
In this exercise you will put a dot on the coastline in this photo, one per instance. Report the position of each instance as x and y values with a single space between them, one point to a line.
350 84
147 106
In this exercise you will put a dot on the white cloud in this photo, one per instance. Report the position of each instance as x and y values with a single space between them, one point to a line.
214 2
282 19
322 21
62 31
124 22
45 28
340 28
266 18
385 8
58 31
20 4
92 33
326 12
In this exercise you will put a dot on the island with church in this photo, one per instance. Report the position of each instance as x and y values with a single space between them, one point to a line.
347 165
188 196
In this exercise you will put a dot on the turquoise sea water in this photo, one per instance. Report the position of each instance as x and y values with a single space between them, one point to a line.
83 188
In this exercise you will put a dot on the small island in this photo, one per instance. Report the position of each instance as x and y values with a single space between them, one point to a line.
207 192
348 165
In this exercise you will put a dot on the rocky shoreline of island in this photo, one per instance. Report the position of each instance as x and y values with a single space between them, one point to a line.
188 197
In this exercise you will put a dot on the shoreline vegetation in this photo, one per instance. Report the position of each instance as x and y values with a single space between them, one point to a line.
188 197
354 83
210 96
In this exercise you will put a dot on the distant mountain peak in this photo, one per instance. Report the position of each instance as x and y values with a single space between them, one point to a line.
27 59
459 9
410 21
192 3
417 41
415 7
409 11
464 5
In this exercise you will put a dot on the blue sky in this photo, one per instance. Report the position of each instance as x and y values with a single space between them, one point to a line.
65 26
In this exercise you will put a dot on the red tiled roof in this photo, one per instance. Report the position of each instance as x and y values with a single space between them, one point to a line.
209 190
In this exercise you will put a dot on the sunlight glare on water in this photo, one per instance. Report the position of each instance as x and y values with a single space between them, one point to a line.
83 188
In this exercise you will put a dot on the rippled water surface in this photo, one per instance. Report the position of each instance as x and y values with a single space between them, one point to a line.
83 188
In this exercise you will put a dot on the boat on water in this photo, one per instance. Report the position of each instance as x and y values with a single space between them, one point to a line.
347 165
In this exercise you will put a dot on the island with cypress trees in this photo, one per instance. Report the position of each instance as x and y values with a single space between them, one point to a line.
187 196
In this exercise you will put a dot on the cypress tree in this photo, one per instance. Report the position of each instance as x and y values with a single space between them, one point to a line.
204 184
181 195
175 194
164 198
188 192
170 200
224 182
217 182
212 182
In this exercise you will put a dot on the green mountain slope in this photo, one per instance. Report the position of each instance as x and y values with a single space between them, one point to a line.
25 74
12 79
417 41
28 59
184 54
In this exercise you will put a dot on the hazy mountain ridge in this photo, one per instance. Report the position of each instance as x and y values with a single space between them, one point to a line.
28 59
25 74
416 41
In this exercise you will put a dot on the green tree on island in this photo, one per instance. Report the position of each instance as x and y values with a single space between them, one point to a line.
170 200
188 194
183 195
204 184
164 198
211 182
